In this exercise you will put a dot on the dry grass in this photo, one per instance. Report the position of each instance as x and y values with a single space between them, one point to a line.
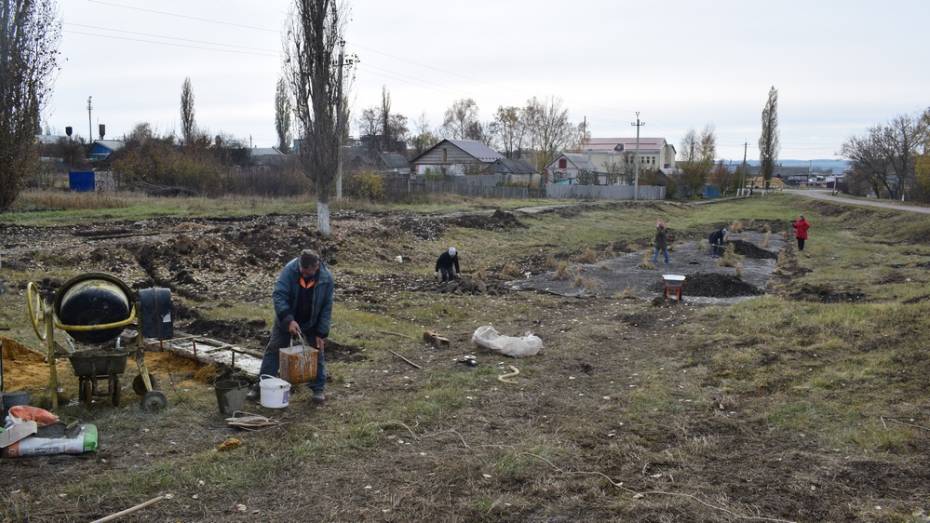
561 271
730 258
583 282
765 240
647 262
69 201
552 263
510 270
588 256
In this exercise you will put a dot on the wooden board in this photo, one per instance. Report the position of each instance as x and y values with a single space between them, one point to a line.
209 351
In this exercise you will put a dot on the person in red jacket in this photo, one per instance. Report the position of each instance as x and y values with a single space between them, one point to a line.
800 230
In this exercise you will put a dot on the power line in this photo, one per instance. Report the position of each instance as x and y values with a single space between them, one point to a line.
166 37
169 44
188 17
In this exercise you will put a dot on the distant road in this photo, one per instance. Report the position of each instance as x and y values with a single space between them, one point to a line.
882 204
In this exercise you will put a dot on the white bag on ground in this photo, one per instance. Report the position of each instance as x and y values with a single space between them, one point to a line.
488 337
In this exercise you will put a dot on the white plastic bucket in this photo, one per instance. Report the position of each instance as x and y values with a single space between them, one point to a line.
275 392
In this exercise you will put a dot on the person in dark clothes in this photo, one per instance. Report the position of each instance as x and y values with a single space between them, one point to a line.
447 265
716 240
800 230
660 242
303 304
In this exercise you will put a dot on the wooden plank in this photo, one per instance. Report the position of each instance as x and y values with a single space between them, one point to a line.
213 352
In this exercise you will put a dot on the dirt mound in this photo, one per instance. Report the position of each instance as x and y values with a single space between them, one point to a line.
714 285
499 221
750 250
826 294
465 285
423 227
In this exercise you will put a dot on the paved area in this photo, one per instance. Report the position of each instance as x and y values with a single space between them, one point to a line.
882 204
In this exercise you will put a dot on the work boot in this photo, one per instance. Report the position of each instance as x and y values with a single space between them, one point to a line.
318 396
254 394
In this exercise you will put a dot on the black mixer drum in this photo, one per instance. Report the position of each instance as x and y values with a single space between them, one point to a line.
94 302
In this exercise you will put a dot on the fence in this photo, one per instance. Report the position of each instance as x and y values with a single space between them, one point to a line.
604 192
492 186
480 186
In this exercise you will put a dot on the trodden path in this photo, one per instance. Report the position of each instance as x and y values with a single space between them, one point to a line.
883 204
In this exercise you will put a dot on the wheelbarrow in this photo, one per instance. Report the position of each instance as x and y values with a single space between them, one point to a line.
94 365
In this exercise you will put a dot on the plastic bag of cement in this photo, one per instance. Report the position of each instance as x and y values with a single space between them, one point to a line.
84 441
517 347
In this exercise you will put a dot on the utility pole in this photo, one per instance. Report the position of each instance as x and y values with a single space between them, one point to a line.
339 121
636 124
90 132
742 187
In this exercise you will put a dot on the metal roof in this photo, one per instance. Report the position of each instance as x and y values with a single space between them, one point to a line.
477 150
394 161
513 166
113 145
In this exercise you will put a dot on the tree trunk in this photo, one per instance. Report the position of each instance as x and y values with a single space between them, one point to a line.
322 216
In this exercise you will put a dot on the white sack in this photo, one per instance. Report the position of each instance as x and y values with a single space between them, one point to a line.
488 337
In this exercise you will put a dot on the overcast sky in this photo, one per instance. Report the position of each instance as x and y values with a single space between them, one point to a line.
839 65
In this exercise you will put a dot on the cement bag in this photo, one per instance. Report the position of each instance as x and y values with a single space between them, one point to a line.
84 441
488 337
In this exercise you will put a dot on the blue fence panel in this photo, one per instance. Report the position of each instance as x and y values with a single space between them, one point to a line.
82 181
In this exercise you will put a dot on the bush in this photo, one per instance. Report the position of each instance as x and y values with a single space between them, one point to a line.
365 185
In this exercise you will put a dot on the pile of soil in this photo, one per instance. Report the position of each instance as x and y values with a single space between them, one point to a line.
499 221
713 285
466 285
826 294
423 227
750 250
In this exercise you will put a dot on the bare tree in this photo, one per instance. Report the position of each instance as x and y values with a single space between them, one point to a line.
461 121
368 123
549 128
188 125
385 117
887 157
282 116
768 140
708 148
690 147
424 137
313 56
29 36
510 129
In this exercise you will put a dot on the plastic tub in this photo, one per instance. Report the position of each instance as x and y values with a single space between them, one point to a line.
275 392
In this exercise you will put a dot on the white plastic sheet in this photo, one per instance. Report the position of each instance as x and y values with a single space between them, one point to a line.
517 347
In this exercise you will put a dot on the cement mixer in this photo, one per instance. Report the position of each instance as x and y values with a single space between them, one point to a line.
94 310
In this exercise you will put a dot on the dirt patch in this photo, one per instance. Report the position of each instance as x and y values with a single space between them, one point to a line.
639 319
750 250
252 332
916 299
891 277
423 227
336 351
499 221
714 285
825 294
465 285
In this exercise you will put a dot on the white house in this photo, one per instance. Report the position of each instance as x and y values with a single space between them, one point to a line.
617 155
566 167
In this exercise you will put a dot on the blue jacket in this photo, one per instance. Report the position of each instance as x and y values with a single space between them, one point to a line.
286 290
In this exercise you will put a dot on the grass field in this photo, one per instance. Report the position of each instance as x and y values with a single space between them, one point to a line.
810 403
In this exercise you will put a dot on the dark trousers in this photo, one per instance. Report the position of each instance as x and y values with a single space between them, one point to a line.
448 273
801 244
716 249
270 361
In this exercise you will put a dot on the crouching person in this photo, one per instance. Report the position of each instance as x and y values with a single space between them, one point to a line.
303 304
447 265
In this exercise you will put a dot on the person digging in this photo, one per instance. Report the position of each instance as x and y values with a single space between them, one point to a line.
303 304
716 240
800 231
447 265
661 242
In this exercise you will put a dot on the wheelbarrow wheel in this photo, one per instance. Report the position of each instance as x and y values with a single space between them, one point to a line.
114 389
138 386
154 401
86 391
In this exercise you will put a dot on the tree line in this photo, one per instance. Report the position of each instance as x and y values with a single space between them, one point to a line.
892 159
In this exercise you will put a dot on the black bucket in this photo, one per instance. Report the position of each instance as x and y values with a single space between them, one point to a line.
12 399
230 395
